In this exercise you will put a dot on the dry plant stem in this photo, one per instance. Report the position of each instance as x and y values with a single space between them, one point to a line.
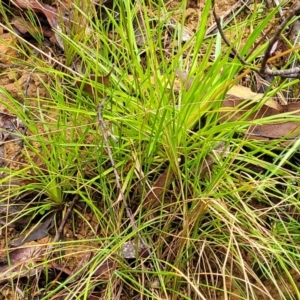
278 5
246 72
62 225
288 73
234 7
263 69
106 134
63 222
217 19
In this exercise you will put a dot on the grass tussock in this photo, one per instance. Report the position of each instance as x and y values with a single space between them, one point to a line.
218 212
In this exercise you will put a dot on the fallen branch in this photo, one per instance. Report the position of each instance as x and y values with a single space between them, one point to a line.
292 12
64 220
219 26
264 69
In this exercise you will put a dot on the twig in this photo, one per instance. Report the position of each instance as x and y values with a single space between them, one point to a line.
219 26
64 220
240 5
292 12
288 73
118 179
27 84
264 69
278 5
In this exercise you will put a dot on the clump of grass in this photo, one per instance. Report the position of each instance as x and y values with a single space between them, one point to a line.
217 230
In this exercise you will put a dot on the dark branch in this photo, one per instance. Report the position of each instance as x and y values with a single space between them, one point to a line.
292 12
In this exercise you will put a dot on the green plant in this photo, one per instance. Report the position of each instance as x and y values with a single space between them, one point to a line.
208 230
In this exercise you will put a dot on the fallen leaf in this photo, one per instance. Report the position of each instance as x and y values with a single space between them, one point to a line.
243 92
153 197
22 262
238 91
89 89
50 13
9 124
23 27
134 249
39 232
234 109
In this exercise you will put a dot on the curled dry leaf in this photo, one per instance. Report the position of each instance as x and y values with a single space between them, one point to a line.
22 261
24 27
134 249
39 232
234 109
153 197
96 93
50 13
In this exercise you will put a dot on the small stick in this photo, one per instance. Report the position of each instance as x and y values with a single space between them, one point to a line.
232 10
219 26
118 179
64 220
292 12
264 70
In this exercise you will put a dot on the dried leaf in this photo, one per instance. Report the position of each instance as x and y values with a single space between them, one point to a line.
134 249
234 109
10 124
37 233
89 89
21 262
24 27
237 91
153 197
243 92
50 13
